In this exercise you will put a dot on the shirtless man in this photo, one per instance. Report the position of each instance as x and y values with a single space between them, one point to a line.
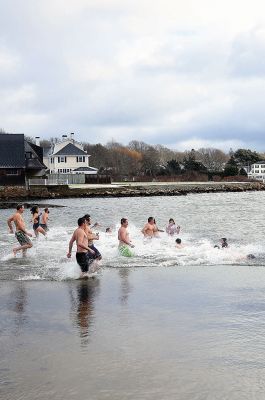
93 258
79 236
44 219
149 229
124 240
21 234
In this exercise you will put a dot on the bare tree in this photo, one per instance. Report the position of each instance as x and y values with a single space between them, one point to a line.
213 159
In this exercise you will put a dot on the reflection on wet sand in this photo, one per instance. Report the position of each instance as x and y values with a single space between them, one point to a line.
18 302
82 296
125 285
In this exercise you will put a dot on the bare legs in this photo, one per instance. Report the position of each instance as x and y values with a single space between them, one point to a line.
22 248
40 230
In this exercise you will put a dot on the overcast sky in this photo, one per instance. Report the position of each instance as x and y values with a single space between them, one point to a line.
185 74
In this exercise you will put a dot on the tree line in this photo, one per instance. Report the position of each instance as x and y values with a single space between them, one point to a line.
139 160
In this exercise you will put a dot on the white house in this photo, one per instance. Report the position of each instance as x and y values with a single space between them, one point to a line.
257 171
68 157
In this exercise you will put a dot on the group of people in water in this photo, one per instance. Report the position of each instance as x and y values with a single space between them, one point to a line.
87 255
40 225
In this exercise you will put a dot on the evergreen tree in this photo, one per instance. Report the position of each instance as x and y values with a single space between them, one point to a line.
231 168
246 156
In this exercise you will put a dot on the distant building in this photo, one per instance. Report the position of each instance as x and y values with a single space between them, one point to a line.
68 157
19 160
257 171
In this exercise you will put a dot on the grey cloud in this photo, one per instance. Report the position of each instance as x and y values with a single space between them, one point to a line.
247 58
183 90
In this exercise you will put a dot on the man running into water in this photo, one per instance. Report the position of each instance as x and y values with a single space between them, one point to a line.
93 258
150 228
44 219
79 236
124 240
21 234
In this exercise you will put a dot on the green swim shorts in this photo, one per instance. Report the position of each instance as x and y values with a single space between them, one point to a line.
125 251
22 238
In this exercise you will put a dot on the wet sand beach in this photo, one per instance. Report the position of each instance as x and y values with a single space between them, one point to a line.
168 333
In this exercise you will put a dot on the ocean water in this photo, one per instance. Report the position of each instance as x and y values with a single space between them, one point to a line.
165 324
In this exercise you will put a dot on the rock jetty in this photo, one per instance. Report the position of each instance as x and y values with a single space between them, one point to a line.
15 194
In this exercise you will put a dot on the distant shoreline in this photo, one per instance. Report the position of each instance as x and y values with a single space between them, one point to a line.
11 195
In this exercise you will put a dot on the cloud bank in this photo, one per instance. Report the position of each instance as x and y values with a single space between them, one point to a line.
183 75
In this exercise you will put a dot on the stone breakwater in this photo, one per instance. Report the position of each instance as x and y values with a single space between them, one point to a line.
20 194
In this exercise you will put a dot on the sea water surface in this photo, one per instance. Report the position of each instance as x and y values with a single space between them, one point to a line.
165 324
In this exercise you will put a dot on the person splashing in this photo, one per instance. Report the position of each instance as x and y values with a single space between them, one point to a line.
125 243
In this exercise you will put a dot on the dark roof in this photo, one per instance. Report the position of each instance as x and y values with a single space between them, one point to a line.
85 169
259 162
70 150
36 161
12 152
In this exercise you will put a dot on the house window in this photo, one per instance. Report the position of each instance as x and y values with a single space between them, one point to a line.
52 160
28 155
61 159
12 171
80 159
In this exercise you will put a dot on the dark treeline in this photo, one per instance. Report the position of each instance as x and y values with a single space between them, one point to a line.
139 160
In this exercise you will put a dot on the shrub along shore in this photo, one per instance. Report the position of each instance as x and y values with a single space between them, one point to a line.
11 195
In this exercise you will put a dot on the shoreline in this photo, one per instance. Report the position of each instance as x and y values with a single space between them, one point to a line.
9 195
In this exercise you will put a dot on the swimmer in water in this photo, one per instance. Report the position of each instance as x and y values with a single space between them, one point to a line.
124 239
156 229
224 243
172 228
21 234
149 228
250 256
108 230
36 221
179 244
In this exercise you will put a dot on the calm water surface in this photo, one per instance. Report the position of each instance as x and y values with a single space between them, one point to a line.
165 324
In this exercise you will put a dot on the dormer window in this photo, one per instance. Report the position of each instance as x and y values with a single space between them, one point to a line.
28 155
